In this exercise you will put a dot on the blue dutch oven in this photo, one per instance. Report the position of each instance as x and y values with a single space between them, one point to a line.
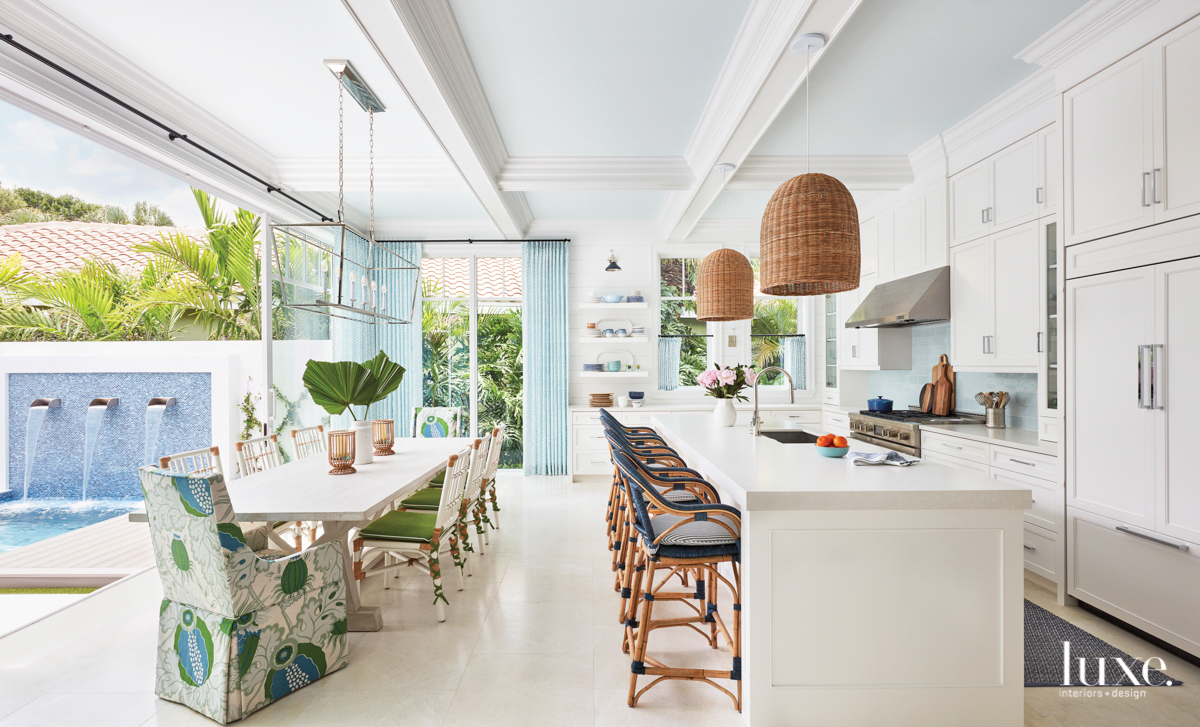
881 404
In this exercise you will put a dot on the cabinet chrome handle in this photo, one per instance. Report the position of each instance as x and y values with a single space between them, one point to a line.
1028 547
1145 176
1155 402
984 339
1039 195
983 215
1141 396
1021 461
950 446
1039 342
1154 187
1170 544
854 352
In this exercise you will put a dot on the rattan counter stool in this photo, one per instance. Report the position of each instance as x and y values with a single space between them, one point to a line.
672 538
649 446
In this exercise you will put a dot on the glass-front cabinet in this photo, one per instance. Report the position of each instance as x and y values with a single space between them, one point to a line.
831 342
1048 378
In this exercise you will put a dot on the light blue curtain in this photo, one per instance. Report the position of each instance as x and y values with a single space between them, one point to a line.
545 330
668 363
352 340
402 343
794 360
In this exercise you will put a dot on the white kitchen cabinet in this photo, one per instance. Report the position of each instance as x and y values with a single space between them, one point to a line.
1050 282
997 193
1176 397
1176 181
908 237
912 234
869 246
995 301
1050 164
872 349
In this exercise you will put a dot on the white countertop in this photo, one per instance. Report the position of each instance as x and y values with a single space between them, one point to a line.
706 405
1025 439
762 474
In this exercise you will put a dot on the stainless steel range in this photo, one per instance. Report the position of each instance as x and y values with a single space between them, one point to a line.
901 429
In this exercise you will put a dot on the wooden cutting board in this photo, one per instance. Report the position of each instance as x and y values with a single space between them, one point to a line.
943 387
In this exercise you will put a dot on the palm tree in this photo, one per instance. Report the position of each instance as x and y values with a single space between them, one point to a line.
219 283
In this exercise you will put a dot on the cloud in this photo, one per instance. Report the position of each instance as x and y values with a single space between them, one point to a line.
37 135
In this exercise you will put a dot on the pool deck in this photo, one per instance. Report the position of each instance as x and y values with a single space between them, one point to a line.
91 556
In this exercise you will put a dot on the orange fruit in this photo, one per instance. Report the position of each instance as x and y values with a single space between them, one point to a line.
824 441
840 442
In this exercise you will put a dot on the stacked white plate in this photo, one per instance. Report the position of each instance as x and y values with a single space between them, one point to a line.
591 333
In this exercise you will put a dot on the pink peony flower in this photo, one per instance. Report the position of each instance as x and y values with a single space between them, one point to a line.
707 378
750 377
727 377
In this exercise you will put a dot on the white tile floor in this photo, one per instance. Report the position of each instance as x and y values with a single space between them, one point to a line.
532 641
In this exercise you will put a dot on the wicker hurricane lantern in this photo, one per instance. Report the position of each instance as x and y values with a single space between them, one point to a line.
809 243
725 287
383 436
341 452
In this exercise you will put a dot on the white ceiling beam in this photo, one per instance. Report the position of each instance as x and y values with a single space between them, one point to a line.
420 43
760 76
866 173
595 173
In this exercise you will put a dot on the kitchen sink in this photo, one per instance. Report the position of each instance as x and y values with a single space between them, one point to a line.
791 437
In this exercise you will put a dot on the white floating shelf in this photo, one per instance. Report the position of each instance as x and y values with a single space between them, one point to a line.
611 306
614 339
614 374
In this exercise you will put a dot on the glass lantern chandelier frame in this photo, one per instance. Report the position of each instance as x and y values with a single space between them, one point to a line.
311 258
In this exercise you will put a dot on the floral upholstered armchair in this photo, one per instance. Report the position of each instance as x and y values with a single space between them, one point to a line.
236 631
437 421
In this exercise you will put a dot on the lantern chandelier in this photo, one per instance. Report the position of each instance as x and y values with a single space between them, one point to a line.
332 269
809 240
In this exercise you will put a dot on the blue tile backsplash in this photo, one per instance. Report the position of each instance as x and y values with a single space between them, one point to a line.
120 446
931 341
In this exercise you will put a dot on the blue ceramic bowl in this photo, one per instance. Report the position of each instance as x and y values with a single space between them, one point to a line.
833 451
593 367
637 395
612 298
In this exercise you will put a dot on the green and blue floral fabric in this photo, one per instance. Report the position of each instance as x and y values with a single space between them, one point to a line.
437 421
236 631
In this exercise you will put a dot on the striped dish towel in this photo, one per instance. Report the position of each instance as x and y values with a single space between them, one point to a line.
893 458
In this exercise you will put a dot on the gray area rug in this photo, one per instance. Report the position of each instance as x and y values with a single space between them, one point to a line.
1044 637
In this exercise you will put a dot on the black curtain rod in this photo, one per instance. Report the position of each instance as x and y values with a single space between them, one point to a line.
471 241
752 335
171 133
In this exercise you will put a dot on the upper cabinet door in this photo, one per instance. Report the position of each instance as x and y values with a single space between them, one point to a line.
869 246
1016 270
1014 184
1108 145
908 237
935 227
1111 450
1050 164
1176 181
970 198
1176 397
971 299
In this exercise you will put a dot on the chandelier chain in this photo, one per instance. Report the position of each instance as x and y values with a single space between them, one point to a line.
371 166
341 194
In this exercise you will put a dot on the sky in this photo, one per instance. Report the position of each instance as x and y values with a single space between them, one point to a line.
37 154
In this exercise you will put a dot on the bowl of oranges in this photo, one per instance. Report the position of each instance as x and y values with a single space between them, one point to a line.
829 445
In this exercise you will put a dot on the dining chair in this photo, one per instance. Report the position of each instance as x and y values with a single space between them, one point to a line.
418 538
309 441
437 422
429 498
198 461
493 464
259 454
671 538
236 631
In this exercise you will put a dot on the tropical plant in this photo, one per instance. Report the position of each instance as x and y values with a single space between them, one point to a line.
339 386
500 360
445 349
218 284
63 207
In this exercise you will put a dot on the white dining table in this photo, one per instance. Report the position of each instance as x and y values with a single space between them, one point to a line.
304 490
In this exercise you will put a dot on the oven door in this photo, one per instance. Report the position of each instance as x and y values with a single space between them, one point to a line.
902 448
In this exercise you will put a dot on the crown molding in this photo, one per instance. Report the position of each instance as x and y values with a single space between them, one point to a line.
1013 115
393 229
759 77
419 42
929 159
856 172
592 173
1080 29
34 24
396 174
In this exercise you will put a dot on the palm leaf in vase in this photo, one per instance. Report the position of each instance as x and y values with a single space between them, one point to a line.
335 385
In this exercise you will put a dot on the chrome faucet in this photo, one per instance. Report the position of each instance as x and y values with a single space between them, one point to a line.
756 422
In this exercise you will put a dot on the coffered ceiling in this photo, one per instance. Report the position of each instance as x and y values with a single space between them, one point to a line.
500 112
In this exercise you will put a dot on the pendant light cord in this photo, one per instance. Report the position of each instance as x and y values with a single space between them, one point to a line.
807 108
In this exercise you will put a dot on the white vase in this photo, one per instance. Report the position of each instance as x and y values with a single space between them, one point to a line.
724 414
364 447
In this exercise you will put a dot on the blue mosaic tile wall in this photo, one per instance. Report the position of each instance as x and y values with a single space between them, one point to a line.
120 447
931 341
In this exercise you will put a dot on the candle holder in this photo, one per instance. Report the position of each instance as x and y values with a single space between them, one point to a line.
341 452
383 435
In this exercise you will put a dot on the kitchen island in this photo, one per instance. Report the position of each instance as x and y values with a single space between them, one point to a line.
871 594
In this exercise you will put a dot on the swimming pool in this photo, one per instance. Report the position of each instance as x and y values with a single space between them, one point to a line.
27 521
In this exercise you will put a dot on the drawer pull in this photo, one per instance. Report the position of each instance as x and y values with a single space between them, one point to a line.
1030 547
950 446
1021 461
1177 546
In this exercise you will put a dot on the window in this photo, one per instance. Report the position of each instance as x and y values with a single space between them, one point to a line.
472 343
683 340
778 336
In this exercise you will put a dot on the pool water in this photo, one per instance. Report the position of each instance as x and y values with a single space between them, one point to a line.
27 521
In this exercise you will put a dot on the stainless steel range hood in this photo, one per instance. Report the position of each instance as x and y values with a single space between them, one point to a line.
920 298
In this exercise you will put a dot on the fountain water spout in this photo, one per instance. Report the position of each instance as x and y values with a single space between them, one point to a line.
91 432
154 415
33 427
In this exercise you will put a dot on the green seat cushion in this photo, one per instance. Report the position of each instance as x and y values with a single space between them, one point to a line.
427 499
439 479
413 527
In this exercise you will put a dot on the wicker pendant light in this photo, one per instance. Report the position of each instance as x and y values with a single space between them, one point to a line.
725 281
809 243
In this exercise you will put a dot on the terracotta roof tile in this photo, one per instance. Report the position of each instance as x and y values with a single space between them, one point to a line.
50 246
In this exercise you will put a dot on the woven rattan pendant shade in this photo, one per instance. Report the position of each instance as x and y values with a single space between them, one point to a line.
808 244
725 287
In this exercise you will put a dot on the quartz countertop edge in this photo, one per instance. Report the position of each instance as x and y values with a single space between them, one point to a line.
762 474
1026 439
